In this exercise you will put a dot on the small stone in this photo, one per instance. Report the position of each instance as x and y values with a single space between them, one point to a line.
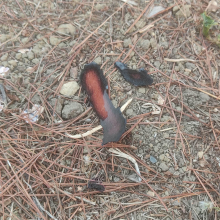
140 24
166 193
69 88
153 43
141 90
150 193
200 154
176 8
62 45
156 148
190 66
127 42
54 40
72 43
184 11
98 60
99 7
4 57
116 179
129 112
163 167
161 157
35 61
36 50
66 29
166 135
3 38
157 64
72 110
204 97
153 159
18 56
115 104
30 55
58 103
145 44
24 40
13 62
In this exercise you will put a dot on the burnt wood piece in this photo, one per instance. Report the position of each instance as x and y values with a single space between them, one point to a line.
136 77
92 184
94 83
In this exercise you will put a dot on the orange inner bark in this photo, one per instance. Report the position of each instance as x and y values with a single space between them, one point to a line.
94 89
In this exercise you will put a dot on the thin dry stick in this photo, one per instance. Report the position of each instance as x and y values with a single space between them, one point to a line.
118 153
98 127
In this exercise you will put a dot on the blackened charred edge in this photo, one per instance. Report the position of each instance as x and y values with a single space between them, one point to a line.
95 185
127 73
96 68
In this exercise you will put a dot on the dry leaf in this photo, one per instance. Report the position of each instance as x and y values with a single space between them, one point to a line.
155 10
12 96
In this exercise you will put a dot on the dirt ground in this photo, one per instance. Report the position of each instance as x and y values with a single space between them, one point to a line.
173 126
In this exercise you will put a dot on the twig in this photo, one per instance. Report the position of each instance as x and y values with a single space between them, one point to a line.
118 153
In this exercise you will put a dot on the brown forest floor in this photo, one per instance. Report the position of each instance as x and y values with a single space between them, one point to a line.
173 126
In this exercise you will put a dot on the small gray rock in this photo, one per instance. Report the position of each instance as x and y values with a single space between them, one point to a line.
129 112
156 148
98 60
18 56
157 64
204 97
36 50
190 66
153 43
30 55
69 88
127 42
161 157
54 40
4 57
163 167
145 44
184 11
58 103
72 110
66 29
24 40
153 159
35 61
3 38
141 90
13 62
140 24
